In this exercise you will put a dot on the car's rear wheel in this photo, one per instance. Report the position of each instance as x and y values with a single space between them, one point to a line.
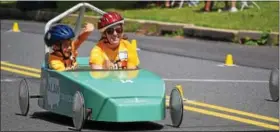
274 84
78 111
23 96
176 107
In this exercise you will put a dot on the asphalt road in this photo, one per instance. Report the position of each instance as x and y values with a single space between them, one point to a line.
203 81
251 56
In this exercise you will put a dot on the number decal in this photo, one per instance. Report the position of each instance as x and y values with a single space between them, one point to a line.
126 81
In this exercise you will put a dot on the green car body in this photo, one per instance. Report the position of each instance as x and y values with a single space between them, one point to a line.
113 96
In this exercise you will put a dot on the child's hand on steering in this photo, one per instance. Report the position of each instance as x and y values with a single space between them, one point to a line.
108 64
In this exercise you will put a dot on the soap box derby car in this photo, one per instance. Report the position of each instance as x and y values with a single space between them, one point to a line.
105 95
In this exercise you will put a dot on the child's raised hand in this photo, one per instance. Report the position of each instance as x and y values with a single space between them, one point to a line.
88 27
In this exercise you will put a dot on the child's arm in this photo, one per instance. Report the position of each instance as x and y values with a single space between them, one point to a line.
86 31
95 58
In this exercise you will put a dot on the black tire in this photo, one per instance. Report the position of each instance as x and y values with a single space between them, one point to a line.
274 84
23 96
176 108
79 113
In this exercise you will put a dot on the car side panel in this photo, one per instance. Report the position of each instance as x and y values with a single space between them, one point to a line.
58 91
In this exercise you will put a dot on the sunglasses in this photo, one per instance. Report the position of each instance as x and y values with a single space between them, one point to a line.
111 31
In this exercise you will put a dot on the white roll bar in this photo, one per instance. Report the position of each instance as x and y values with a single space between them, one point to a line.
82 7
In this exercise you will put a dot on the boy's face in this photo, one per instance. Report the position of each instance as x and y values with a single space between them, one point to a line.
66 47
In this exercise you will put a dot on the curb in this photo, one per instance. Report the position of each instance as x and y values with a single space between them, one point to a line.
154 28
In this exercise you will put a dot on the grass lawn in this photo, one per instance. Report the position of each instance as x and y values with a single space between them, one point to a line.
266 19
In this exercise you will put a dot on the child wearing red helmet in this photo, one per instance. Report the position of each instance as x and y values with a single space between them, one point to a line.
113 51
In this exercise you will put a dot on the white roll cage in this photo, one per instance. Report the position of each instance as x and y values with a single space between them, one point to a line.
82 6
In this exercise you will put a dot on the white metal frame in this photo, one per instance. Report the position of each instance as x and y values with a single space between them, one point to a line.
80 6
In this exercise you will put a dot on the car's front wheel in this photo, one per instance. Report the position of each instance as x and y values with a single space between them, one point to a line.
78 111
23 96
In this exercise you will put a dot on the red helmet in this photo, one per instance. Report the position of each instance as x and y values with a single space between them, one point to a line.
109 19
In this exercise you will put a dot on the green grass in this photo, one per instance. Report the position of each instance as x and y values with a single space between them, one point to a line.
8 4
266 19
103 5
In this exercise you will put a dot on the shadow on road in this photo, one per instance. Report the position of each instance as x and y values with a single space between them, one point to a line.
94 125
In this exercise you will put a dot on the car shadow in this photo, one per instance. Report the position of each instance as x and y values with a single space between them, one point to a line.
271 100
94 125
